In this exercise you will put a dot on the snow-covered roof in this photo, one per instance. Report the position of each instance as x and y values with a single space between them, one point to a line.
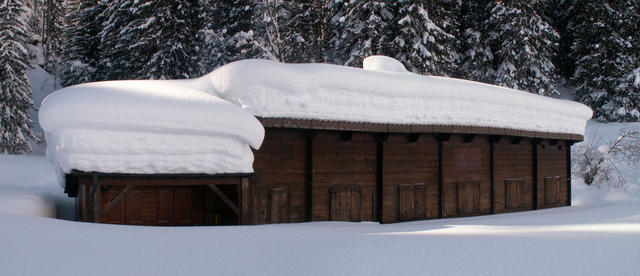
382 93
207 125
147 127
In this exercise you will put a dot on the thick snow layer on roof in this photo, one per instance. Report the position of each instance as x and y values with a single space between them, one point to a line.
379 95
147 127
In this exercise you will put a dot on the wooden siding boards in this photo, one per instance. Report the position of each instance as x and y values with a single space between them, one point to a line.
170 201
406 166
395 173
281 163
466 177
552 174
513 162
343 165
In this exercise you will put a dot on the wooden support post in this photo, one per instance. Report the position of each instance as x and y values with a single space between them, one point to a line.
440 177
535 143
308 175
568 145
97 199
225 198
492 167
244 201
116 199
378 194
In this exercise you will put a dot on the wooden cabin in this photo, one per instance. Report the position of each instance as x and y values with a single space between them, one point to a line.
309 142
311 170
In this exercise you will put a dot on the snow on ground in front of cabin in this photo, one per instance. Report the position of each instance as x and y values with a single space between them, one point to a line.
599 235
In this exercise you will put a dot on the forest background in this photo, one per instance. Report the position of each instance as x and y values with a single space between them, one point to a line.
537 46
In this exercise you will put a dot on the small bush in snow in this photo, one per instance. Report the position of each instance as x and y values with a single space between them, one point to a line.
597 164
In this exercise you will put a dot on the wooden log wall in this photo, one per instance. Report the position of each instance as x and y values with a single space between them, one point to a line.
410 177
466 176
317 175
333 175
278 185
170 201
553 179
513 174
344 176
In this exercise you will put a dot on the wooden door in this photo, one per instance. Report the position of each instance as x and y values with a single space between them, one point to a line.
552 190
514 189
345 203
279 205
412 203
468 197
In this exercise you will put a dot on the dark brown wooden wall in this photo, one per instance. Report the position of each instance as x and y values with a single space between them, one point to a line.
344 176
159 201
513 174
278 185
466 176
410 177
552 175
317 175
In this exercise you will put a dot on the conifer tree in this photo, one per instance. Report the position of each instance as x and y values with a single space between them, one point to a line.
422 45
15 93
359 29
606 53
81 57
53 33
474 59
523 45
150 39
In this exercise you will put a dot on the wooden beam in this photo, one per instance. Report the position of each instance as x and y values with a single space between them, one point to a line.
113 202
225 198
245 196
97 200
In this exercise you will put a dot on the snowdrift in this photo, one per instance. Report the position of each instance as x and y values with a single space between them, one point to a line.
207 125
383 94
147 127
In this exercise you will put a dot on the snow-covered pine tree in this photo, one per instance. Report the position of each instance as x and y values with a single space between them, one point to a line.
303 31
150 39
15 92
83 22
359 29
474 58
523 45
422 45
606 53
558 13
53 34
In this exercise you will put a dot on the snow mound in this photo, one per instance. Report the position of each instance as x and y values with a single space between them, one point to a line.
330 92
26 203
147 127
383 63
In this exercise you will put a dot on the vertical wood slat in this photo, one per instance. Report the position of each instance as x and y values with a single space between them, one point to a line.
96 199
245 196
568 149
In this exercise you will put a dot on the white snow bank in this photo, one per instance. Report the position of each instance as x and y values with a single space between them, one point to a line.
26 203
383 63
330 92
147 127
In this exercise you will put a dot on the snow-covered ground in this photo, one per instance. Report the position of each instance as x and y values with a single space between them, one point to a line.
598 235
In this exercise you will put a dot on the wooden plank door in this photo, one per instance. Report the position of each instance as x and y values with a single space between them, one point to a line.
279 205
514 189
345 203
552 190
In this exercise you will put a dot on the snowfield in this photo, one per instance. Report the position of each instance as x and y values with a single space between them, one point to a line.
599 235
